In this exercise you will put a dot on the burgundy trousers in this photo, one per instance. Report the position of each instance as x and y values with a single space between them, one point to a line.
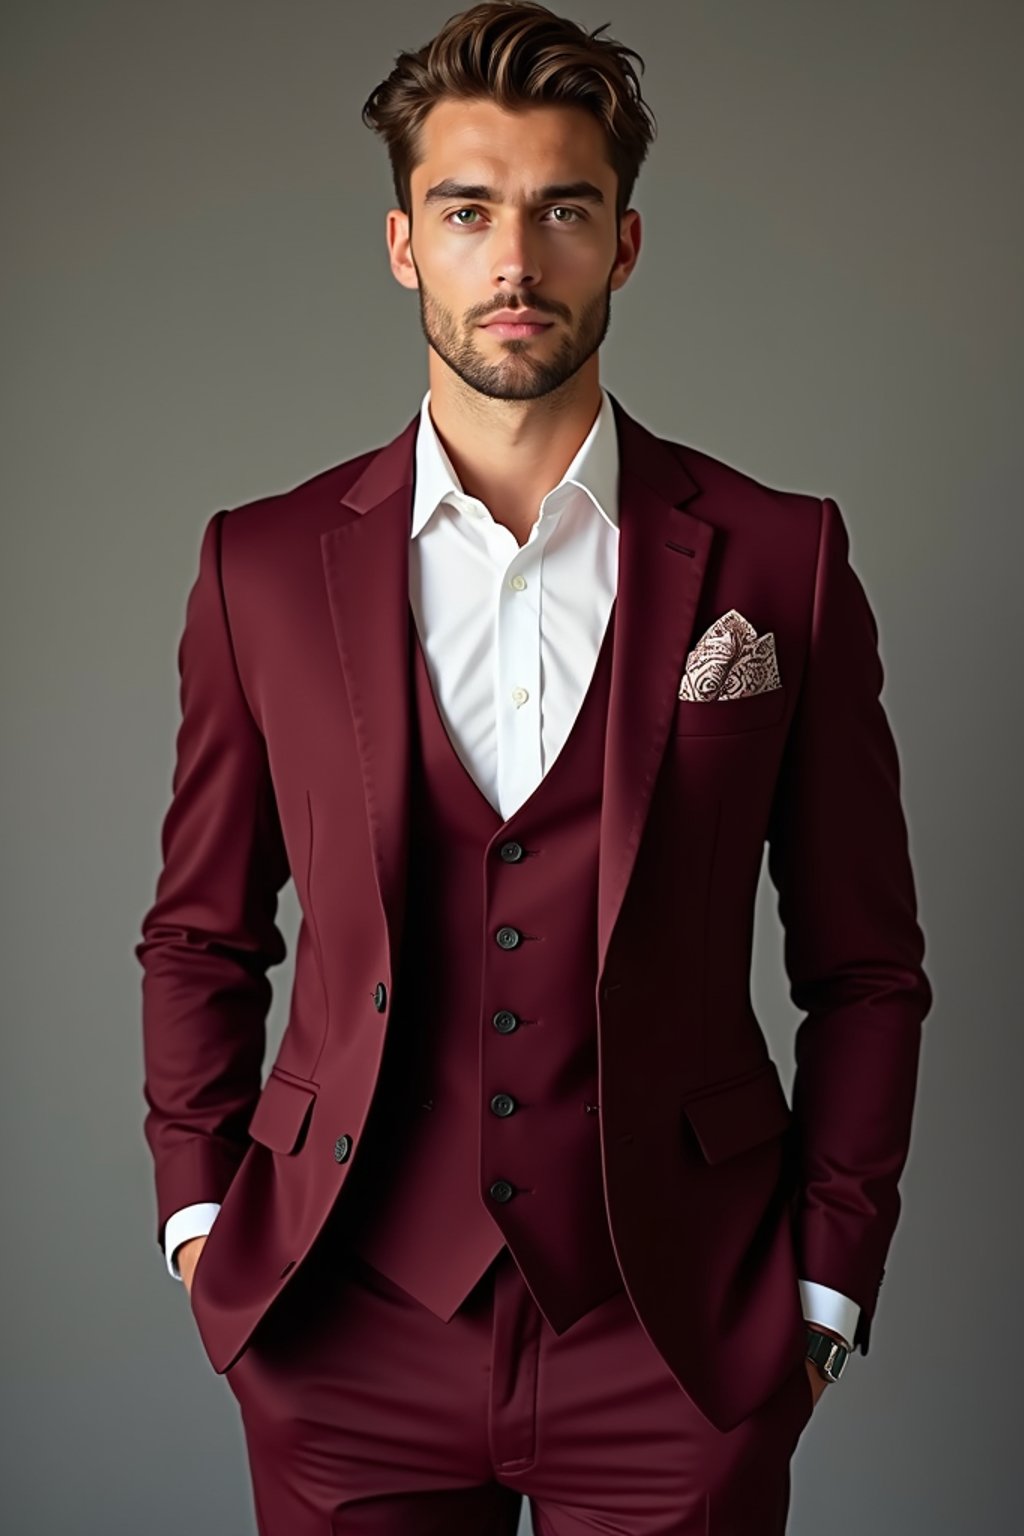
366 1415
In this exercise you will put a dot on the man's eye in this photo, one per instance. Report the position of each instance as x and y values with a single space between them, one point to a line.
558 208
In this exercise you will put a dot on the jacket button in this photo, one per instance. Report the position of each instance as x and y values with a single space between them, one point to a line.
505 1021
511 852
342 1148
380 997
503 1104
508 938
501 1190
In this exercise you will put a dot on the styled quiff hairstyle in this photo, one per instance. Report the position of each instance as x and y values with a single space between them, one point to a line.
517 54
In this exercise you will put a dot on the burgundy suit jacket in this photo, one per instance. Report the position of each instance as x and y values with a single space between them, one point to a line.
292 760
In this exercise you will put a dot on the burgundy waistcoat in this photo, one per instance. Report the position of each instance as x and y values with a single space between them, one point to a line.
484 1127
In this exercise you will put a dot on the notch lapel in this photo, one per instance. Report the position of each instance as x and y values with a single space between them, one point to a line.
366 570
663 556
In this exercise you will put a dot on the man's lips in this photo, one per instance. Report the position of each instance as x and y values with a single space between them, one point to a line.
517 327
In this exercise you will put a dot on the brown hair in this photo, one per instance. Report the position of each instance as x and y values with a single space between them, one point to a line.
517 54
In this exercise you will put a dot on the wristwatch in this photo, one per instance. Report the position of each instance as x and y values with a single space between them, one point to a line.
827 1353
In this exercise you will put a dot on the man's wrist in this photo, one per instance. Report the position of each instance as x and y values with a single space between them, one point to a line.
831 1333
827 1350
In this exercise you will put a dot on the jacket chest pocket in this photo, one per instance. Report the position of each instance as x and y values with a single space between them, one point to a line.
729 717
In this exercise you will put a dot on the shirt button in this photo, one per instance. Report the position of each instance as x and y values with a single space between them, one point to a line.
517 583
519 695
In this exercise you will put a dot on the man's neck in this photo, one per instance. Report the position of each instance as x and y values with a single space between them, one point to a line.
510 454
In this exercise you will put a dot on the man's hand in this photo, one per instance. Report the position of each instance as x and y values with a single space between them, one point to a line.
818 1382
187 1255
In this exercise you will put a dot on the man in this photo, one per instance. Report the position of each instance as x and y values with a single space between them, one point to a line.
517 701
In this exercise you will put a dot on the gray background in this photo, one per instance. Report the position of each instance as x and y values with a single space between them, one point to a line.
197 309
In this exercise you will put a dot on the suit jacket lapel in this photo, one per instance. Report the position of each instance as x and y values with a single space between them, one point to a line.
663 553
366 569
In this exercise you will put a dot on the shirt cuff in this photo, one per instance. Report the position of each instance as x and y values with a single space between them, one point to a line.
821 1304
191 1221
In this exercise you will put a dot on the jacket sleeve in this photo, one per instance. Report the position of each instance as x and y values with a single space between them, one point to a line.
839 859
210 934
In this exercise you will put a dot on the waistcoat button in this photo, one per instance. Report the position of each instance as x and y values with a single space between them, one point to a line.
508 938
380 997
503 1104
505 1021
512 852
342 1148
501 1190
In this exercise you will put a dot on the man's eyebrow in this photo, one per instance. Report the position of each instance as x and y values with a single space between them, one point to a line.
580 191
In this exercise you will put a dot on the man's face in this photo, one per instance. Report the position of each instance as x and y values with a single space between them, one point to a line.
513 210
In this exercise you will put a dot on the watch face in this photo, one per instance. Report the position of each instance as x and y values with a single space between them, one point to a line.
829 1356
837 1364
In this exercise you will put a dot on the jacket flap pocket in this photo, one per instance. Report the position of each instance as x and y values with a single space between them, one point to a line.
733 1116
281 1113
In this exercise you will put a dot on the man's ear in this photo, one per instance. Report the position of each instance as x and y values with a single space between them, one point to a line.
399 242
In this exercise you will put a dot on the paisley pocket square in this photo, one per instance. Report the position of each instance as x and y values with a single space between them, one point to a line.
730 661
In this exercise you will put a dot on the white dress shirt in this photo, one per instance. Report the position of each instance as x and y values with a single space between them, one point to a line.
510 635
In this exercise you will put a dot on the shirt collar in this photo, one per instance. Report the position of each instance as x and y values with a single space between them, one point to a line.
595 469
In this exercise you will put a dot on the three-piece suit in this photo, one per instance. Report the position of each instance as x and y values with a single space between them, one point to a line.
522 1205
